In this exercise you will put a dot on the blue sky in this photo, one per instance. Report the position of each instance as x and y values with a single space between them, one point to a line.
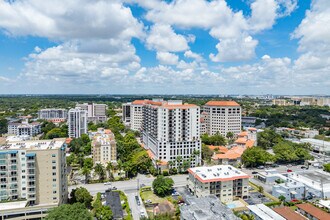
165 47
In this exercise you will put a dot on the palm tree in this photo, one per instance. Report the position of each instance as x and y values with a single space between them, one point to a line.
99 170
109 168
178 161
86 172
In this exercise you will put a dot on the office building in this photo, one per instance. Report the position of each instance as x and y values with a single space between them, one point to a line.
96 113
104 146
262 212
304 184
53 115
205 208
24 128
171 129
32 173
77 122
222 117
223 181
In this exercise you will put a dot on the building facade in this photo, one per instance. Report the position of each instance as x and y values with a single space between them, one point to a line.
104 146
24 128
77 122
170 129
222 117
223 181
126 109
34 171
96 113
53 115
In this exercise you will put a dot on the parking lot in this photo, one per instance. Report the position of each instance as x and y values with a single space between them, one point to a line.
257 198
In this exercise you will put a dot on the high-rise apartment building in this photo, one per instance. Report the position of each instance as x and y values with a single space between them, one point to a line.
104 146
77 122
95 112
24 128
222 117
32 173
171 129
53 115
126 107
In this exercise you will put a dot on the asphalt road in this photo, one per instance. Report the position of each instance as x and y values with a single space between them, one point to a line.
130 188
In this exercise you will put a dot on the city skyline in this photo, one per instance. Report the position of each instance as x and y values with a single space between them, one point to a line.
165 47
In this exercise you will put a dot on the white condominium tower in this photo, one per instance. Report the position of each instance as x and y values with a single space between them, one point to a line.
222 117
171 129
95 112
32 173
54 115
77 122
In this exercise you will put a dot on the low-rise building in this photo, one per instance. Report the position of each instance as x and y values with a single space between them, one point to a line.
311 212
319 146
206 208
288 213
248 121
104 148
24 128
262 212
270 176
223 181
304 184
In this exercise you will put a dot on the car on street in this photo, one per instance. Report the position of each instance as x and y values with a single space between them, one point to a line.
303 167
261 167
275 165
107 183
254 172
288 170
114 188
137 200
289 165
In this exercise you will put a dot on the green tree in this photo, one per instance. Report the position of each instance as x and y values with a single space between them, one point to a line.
162 185
3 125
100 211
100 171
281 198
109 168
216 139
268 139
88 162
326 167
86 172
207 153
81 195
75 211
256 156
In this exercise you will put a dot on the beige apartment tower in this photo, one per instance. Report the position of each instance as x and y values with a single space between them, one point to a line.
104 148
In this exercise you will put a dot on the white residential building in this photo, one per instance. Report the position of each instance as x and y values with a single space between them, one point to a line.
53 115
77 122
33 171
24 128
104 146
95 112
222 117
171 129
304 184
262 212
223 181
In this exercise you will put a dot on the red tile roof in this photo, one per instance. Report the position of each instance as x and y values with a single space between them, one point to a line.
222 149
288 213
222 103
315 212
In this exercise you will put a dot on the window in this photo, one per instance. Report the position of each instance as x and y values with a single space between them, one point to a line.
53 155
54 173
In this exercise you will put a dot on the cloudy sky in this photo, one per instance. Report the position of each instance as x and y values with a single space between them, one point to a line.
165 47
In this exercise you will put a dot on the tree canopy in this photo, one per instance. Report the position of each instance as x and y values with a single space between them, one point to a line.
162 185
216 139
75 211
256 156
81 195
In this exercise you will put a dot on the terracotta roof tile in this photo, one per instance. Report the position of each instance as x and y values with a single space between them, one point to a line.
222 103
288 213
312 210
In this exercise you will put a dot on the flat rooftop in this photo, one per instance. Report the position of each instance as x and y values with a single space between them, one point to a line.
312 178
33 145
12 205
217 173
264 212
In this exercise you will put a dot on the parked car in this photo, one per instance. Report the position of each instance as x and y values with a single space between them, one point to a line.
260 167
275 165
114 188
175 194
143 214
289 165
107 183
261 196
254 172
288 170
303 167
137 200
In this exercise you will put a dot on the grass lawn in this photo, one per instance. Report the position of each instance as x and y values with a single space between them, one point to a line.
150 195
